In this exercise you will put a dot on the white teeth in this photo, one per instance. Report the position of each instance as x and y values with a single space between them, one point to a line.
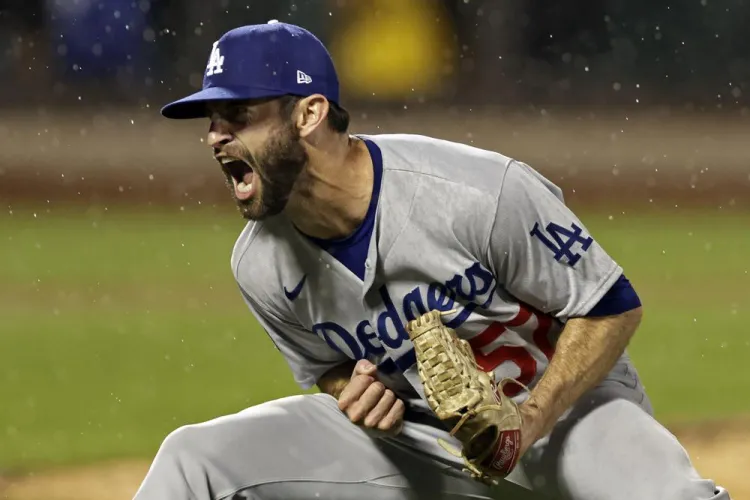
244 188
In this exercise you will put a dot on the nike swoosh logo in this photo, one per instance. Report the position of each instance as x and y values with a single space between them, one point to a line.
295 293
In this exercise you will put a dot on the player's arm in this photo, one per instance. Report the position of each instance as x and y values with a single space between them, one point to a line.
586 352
543 255
308 355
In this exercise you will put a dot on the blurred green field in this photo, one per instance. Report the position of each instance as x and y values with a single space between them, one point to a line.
118 326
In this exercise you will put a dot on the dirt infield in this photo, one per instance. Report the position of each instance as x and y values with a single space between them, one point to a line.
616 158
720 451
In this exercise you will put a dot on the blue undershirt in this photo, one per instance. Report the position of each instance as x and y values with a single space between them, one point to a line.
620 298
352 250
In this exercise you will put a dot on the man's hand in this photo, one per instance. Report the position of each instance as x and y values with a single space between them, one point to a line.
367 402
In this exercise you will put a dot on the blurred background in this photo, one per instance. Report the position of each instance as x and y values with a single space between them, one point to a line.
119 318
447 52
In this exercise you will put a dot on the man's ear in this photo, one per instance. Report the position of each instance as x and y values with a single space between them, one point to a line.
311 114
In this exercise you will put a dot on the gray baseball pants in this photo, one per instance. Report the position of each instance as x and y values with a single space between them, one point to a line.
608 447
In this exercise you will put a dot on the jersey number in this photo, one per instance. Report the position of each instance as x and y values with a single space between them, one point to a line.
517 355
564 241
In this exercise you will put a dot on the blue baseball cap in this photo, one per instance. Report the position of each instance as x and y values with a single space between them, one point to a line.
259 61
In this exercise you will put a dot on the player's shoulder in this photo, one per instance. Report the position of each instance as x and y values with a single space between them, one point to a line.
442 160
420 172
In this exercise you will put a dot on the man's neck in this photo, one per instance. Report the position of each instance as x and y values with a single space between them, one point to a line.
332 197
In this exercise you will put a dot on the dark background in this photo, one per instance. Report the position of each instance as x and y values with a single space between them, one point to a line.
509 52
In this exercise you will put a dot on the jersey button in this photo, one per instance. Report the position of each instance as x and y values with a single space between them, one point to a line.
367 264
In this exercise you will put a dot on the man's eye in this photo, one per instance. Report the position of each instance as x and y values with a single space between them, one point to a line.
239 116
235 118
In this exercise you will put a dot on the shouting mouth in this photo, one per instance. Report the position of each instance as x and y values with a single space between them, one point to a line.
242 177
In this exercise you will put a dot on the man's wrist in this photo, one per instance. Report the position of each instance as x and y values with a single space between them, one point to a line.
534 410
335 380
538 417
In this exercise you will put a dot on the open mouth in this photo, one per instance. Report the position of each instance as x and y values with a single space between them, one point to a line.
241 174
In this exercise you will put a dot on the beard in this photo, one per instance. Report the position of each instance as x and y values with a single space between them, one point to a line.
276 168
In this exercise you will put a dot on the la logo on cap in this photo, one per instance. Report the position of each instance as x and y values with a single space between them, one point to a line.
215 62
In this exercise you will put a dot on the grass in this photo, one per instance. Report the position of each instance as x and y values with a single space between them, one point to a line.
692 272
117 326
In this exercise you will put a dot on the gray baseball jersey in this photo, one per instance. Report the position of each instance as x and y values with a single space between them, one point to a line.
456 228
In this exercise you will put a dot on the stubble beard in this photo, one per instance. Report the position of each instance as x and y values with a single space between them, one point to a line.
277 168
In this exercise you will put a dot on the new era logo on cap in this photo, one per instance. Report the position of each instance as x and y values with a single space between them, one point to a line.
303 78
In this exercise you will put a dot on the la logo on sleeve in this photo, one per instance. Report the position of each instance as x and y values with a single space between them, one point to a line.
565 241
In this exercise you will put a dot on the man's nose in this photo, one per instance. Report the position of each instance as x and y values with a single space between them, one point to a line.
217 137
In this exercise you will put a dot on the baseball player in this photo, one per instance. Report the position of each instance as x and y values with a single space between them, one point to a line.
464 328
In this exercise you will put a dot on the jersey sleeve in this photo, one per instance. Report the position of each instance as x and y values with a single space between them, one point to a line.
541 253
307 355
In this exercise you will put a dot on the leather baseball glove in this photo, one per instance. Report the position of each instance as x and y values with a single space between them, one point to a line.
483 419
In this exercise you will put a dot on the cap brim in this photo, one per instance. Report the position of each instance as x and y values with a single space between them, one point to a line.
194 106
